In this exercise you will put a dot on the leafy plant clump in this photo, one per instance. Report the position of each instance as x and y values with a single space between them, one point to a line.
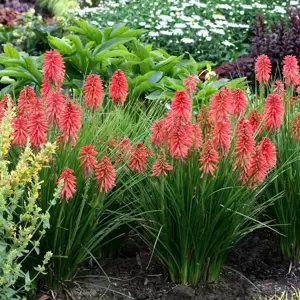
152 74
23 223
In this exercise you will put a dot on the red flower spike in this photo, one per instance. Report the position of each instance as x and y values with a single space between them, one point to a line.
36 106
220 104
20 134
158 132
222 134
273 111
263 69
208 158
37 129
161 166
138 158
54 69
105 175
296 127
180 141
3 107
190 83
55 103
245 143
70 121
268 151
257 170
26 101
181 106
239 102
291 70
197 136
88 159
45 89
69 179
255 118
93 92
118 87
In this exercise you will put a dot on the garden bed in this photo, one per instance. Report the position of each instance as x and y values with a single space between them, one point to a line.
254 270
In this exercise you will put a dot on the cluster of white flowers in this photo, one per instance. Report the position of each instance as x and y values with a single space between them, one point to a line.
187 22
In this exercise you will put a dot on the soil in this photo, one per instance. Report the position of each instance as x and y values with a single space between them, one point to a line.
254 271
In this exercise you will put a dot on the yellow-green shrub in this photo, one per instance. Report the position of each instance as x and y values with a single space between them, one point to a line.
22 222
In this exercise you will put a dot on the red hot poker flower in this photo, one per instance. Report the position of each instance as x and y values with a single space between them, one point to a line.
20 134
268 151
181 106
190 83
220 104
161 166
263 69
88 159
69 184
255 118
208 158
70 121
239 102
180 140
138 158
55 103
257 168
273 111
53 68
291 70
3 107
105 175
222 134
118 87
37 129
26 100
93 91
245 143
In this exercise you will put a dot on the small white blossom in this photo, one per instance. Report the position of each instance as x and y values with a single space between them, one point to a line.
187 40
153 34
202 33
227 43
180 25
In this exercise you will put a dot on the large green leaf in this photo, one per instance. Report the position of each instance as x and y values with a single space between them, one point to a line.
113 53
61 45
90 31
14 73
111 43
11 52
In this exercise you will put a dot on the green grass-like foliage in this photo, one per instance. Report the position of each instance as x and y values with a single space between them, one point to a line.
286 210
192 221
87 222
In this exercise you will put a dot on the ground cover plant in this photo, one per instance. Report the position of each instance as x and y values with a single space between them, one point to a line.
190 26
